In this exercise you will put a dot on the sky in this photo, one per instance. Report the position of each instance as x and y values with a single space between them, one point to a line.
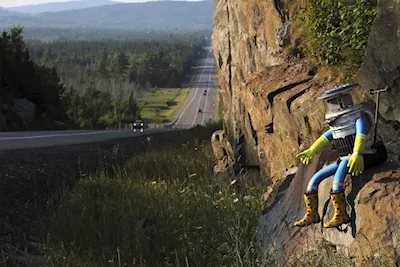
13 3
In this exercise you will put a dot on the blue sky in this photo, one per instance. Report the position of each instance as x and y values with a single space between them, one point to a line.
10 3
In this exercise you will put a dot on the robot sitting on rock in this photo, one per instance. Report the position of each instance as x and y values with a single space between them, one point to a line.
351 133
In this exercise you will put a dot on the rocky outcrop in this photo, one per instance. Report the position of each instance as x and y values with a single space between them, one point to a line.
223 152
18 116
270 112
381 68
374 232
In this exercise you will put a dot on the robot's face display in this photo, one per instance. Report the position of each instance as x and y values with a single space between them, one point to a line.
338 103
341 102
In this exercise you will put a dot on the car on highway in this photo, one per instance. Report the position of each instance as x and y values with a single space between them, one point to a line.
139 125
200 110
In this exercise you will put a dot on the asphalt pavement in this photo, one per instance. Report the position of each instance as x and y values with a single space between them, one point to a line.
199 107
21 140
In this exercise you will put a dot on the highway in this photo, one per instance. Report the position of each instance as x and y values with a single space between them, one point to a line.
189 116
19 140
202 97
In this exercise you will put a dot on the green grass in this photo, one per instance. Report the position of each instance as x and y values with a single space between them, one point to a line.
160 105
195 221
218 106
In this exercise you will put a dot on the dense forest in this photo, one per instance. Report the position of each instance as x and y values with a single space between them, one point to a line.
51 34
127 63
93 83
21 78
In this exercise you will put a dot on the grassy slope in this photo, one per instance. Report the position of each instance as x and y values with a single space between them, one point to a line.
191 219
154 103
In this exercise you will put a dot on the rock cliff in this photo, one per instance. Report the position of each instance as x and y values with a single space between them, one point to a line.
270 113
268 97
381 68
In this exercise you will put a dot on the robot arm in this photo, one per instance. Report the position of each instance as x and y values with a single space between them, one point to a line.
307 156
356 161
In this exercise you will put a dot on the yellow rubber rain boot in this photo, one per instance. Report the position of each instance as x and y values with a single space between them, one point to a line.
311 216
340 216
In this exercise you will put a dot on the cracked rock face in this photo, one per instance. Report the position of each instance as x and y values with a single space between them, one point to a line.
269 103
381 67
372 199
270 114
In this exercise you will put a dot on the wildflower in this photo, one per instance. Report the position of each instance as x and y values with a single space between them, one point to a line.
219 201
235 200
247 198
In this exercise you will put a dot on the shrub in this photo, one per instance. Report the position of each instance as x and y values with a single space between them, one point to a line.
338 31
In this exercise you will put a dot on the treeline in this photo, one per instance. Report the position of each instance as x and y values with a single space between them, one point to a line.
60 34
21 78
91 84
138 64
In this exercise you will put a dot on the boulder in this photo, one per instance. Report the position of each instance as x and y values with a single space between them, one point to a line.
223 152
381 68
373 233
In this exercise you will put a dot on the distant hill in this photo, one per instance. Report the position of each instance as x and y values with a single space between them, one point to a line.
7 13
55 7
148 15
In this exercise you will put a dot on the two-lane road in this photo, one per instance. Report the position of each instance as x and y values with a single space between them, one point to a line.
19 140
202 96
199 107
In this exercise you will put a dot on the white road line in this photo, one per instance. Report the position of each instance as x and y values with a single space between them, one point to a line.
200 98
205 104
197 89
54 135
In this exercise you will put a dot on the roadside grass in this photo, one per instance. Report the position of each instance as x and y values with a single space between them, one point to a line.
218 106
160 105
162 208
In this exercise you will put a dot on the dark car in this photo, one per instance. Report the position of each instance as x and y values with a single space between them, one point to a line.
139 125
200 110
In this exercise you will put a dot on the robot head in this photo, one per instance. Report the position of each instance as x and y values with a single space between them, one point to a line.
340 100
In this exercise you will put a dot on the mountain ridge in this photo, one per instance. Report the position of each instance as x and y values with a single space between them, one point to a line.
147 15
60 6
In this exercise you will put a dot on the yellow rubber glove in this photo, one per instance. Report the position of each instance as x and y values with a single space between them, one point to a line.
356 161
307 156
